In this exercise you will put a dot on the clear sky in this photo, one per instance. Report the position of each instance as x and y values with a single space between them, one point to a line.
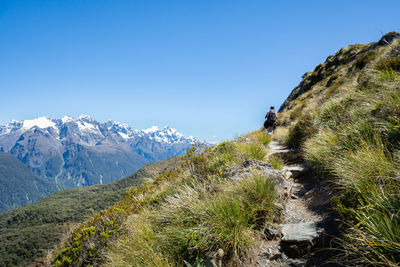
207 68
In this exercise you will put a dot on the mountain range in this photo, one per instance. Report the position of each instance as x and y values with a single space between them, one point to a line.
69 153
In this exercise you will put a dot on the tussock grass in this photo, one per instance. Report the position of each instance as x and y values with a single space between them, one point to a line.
194 221
196 209
389 69
320 150
367 162
375 239
264 138
276 162
388 74
280 135
255 151
300 131
139 248
355 144
390 63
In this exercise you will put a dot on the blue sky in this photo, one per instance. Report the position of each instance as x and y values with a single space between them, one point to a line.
207 68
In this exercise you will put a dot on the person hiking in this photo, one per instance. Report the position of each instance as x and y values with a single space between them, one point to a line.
270 120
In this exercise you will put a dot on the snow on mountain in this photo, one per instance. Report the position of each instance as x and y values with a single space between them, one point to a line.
41 122
86 124
81 151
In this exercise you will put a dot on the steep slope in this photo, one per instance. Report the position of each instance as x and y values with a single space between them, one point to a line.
19 185
341 73
27 232
345 118
81 152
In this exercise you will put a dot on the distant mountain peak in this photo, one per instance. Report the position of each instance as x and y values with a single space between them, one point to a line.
151 129
40 122
87 125
66 119
82 151
85 117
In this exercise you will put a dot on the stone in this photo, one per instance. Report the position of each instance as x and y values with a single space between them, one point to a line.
295 263
288 174
298 238
305 231
275 175
272 232
214 259
295 170
276 256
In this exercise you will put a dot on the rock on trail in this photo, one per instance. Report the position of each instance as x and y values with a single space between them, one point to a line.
305 211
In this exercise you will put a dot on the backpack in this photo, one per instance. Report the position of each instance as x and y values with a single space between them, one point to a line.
271 117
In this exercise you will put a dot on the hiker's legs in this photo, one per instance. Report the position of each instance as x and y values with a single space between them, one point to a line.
273 128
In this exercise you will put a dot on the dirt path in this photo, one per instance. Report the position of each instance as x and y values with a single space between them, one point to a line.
306 219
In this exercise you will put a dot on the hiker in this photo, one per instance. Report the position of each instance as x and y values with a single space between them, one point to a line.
270 120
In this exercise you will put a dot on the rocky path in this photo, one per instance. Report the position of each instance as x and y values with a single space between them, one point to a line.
305 220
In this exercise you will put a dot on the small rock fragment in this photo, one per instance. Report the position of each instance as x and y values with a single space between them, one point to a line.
272 231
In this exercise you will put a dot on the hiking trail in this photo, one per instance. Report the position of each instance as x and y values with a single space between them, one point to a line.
306 220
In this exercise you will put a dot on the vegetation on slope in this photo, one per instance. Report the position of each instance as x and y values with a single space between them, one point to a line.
183 216
353 139
28 232
26 186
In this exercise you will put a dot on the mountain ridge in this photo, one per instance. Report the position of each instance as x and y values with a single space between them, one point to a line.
79 152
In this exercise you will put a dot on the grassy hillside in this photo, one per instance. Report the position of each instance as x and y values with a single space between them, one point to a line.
211 202
27 232
345 116
26 187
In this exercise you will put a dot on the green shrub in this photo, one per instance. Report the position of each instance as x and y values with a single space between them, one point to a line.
86 243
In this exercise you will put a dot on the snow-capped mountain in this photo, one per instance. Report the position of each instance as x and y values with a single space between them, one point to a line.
78 152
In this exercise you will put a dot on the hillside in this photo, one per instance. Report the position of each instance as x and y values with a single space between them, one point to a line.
19 185
27 232
344 116
82 152
224 202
